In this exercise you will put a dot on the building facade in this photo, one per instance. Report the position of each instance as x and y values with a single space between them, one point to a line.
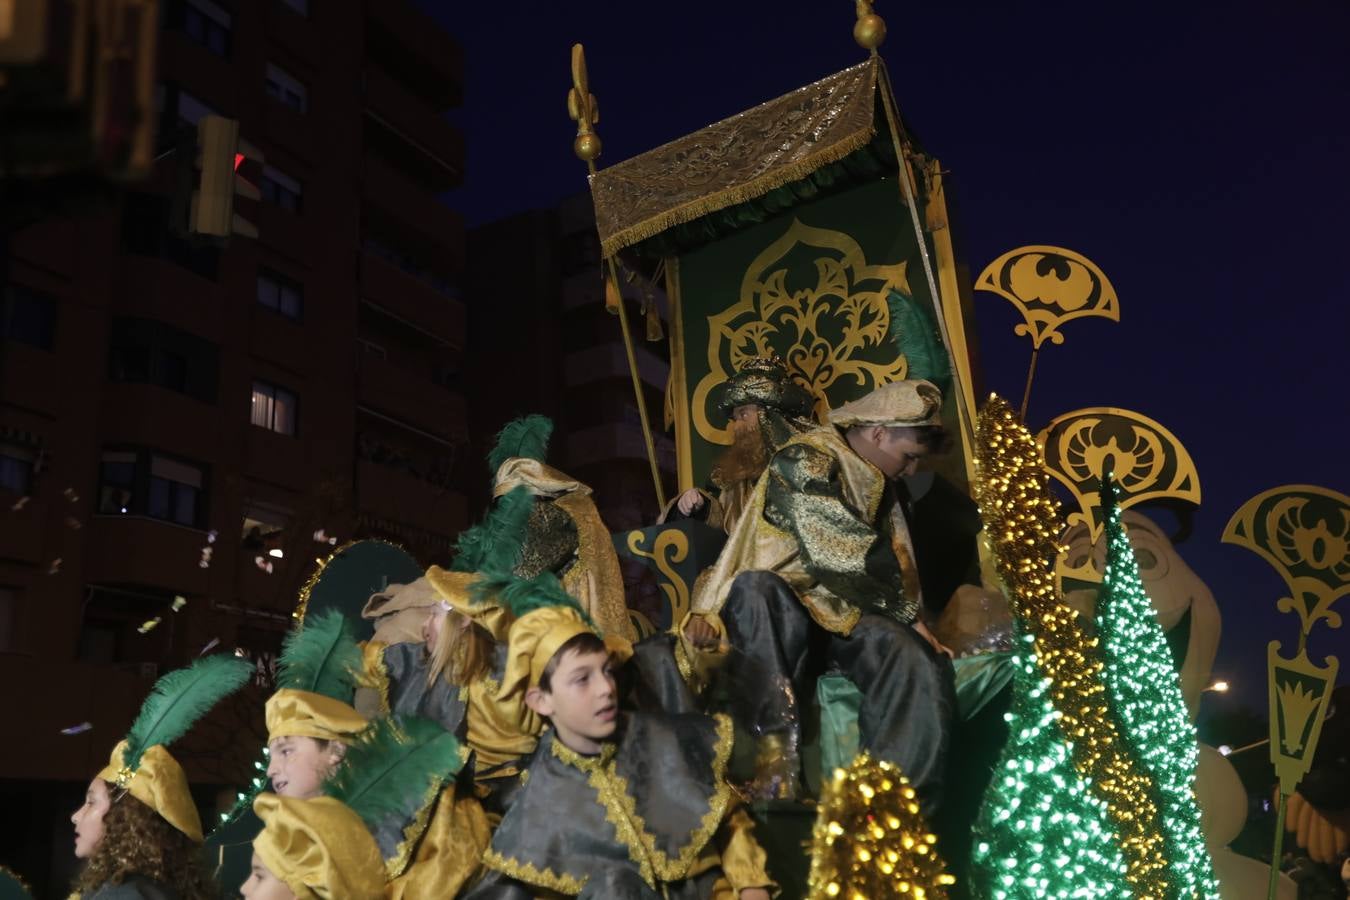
185 426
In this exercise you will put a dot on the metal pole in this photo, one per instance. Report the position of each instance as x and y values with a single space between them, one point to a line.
1279 847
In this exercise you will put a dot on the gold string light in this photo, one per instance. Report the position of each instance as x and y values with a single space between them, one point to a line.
870 840
1022 520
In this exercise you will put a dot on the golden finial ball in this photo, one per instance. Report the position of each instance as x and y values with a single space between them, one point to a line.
587 146
869 31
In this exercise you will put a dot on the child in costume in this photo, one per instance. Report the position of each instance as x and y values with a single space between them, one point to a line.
309 722
138 829
328 847
614 805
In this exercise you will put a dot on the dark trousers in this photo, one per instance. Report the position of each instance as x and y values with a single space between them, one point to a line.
908 698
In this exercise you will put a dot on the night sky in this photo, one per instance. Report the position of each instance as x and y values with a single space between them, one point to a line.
1198 153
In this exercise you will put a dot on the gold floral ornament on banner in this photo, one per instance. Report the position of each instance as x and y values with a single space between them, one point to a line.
1049 286
1148 461
1303 531
811 299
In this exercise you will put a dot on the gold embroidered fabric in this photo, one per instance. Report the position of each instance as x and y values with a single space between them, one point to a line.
528 873
828 494
736 159
448 856
375 676
613 792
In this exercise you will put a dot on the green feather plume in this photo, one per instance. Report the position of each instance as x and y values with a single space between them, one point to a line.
916 336
495 542
392 765
321 656
180 698
527 436
523 595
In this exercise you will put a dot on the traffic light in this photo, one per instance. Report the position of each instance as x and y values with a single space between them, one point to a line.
221 152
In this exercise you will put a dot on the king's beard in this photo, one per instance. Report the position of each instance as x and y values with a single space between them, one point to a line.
745 459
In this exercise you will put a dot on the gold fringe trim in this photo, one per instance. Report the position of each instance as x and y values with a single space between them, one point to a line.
302 601
528 873
741 193
398 863
631 829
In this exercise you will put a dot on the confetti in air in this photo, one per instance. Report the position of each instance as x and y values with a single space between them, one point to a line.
179 601
71 495
263 563
77 729
211 537
210 645
20 504
54 567
73 523
147 627
323 537
205 561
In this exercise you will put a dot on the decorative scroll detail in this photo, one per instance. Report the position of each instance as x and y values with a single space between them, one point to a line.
1304 532
737 159
1148 461
1050 286
671 546
831 331
1299 693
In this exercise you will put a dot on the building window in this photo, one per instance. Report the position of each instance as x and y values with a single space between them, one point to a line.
144 351
16 468
280 294
28 317
299 7
141 482
202 22
280 189
282 85
175 491
273 408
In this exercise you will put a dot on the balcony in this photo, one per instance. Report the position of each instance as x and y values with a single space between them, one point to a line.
389 493
165 291
614 442
30 378
610 360
289 130
148 416
146 552
410 398
413 48
412 300
435 146
430 229
277 458
21 532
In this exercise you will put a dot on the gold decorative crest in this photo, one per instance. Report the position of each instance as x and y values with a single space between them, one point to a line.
1304 532
1050 286
1299 693
670 546
831 330
1148 461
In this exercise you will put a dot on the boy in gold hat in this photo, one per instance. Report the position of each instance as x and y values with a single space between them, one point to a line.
138 830
820 571
613 805
326 847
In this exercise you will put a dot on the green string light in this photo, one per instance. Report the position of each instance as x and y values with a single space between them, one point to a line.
1041 832
1147 703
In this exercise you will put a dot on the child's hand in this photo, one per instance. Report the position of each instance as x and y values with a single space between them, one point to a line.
754 894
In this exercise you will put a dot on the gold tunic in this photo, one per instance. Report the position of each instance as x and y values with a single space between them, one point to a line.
814 519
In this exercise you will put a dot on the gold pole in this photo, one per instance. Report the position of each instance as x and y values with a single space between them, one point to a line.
1031 375
581 106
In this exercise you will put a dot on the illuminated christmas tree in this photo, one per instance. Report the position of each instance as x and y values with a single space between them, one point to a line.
1041 832
1147 704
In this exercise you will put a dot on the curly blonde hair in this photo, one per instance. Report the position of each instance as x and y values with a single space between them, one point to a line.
138 841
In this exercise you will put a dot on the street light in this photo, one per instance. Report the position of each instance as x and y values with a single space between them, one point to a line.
1220 687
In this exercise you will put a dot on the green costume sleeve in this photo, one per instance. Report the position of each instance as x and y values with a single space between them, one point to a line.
845 553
